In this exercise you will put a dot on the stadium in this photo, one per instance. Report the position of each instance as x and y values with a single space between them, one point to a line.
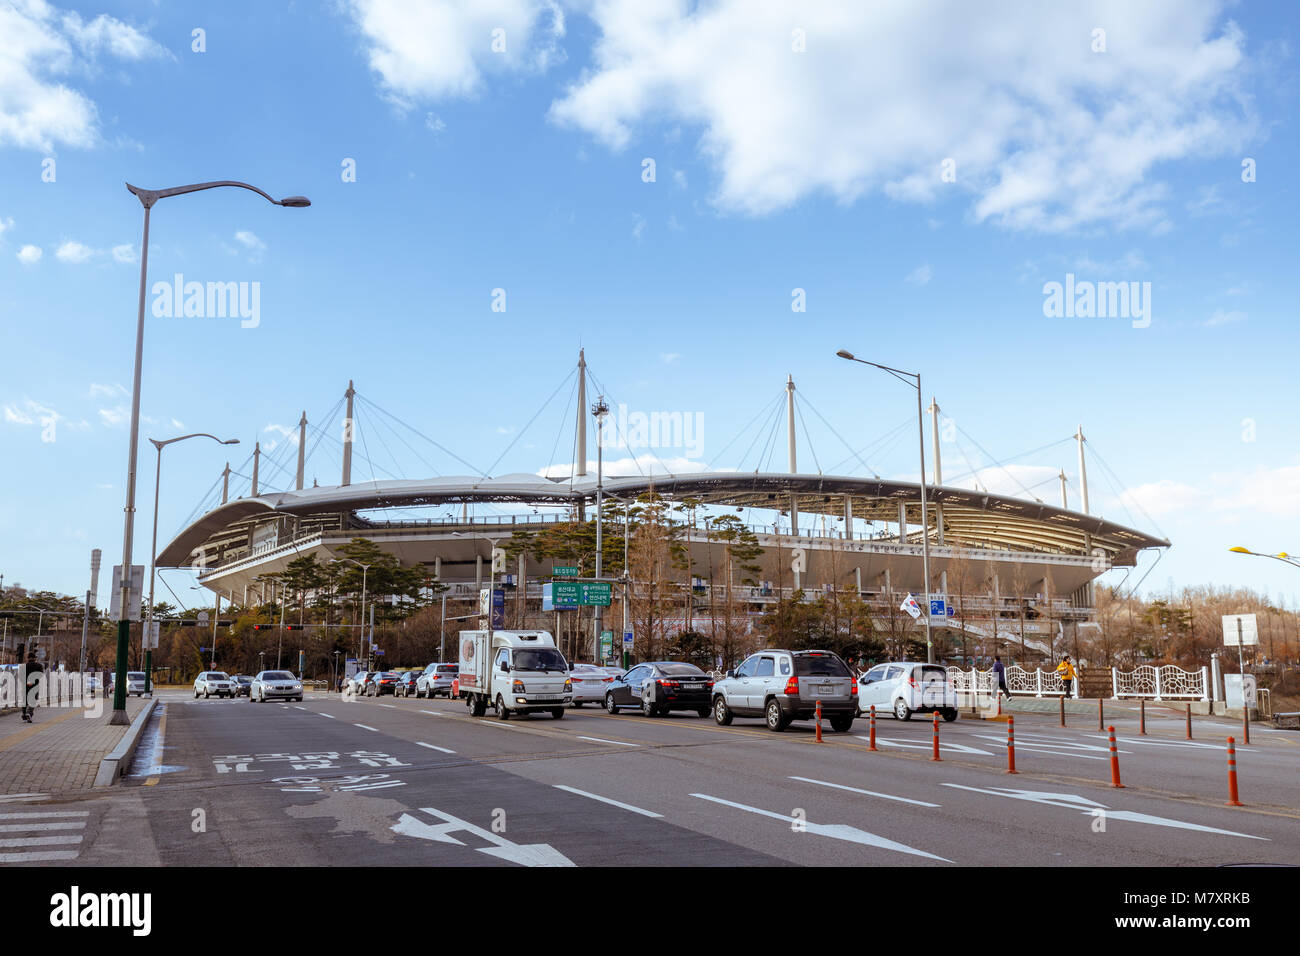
1007 568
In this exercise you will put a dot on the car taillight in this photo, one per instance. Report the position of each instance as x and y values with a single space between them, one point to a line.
607 679
792 686
667 683
853 690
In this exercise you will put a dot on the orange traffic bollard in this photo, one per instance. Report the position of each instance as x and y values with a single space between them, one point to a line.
1142 716
872 743
1232 773
1189 721
936 737
819 721
1114 760
1011 745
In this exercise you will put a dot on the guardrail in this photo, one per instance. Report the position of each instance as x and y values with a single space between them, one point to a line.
1037 682
1169 682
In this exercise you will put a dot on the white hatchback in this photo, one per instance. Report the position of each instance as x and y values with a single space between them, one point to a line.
906 688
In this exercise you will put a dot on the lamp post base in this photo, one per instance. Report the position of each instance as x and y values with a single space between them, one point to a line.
119 718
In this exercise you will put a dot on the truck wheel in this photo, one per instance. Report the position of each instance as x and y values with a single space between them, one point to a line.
477 705
721 712
901 710
557 712
776 720
841 724
949 714
500 705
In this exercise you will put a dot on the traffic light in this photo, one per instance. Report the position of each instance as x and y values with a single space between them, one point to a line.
261 627
293 627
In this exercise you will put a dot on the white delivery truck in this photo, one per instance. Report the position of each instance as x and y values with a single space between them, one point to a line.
514 672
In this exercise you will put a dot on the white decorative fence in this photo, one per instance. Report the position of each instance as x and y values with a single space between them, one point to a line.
1161 683
1037 682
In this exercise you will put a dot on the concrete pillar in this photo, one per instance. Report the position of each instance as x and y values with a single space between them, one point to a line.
478 572
302 450
347 436
848 519
437 567
902 523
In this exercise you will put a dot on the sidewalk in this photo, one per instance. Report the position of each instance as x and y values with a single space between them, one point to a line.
60 750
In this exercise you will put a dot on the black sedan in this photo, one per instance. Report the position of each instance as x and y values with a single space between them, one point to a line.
384 682
659 687
243 684
406 684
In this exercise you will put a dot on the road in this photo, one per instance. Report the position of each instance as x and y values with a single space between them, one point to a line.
414 782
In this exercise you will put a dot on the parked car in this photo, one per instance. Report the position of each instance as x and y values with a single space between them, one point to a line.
243 683
659 687
406 684
436 680
382 682
905 688
589 684
214 682
275 685
782 686
135 683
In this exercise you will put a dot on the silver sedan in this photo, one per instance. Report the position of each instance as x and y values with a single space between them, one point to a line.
275 685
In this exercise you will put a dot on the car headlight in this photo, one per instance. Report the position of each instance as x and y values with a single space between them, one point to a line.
568 685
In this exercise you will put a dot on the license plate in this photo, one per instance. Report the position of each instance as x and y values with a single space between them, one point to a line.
545 697
827 689
693 686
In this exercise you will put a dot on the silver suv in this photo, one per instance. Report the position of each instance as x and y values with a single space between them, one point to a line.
781 686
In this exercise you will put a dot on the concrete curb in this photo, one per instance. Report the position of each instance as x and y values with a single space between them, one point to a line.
112 766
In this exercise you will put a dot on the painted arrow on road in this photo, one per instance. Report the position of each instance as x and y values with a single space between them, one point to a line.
836 831
1073 801
532 854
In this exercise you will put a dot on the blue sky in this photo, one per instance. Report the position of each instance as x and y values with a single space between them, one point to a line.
776 168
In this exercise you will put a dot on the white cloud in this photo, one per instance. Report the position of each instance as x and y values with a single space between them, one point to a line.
115 416
286 431
75 252
422 50
1221 317
679 179
30 412
674 225
29 255
177 423
1132 261
42 46
1045 134
107 391
670 358
638 230
249 240
125 254
921 275
433 123
5 224
1228 496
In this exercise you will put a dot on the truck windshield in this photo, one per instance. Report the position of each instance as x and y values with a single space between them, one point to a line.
540 659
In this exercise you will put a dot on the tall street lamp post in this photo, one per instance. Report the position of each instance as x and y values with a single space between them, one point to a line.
599 410
153 550
925 517
147 199
365 644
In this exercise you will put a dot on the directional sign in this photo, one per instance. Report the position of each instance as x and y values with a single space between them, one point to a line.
565 571
532 854
564 594
595 592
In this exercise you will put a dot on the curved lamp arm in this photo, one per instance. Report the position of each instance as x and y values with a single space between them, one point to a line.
148 197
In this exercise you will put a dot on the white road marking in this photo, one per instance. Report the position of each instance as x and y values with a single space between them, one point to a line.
366 727
21 797
41 841
26 827
389 706
433 713
49 813
960 748
298 707
39 856
613 803
869 793
837 831
330 716
602 740
1071 801
1161 743
533 854
435 747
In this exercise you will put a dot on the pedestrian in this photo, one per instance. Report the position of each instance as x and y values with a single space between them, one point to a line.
1000 673
33 675
1065 671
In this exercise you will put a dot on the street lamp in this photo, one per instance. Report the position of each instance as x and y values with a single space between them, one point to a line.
365 644
1280 556
153 551
599 410
147 199
925 518
492 571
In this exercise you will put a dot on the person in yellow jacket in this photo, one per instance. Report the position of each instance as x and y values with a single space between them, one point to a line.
1065 671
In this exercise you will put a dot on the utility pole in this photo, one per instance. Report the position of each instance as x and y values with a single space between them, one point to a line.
599 411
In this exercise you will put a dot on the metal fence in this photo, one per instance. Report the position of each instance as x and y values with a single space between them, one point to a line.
1037 682
1169 682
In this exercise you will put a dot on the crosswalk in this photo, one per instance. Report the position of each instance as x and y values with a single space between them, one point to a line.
37 835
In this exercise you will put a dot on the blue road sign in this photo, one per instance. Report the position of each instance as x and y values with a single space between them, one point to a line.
937 608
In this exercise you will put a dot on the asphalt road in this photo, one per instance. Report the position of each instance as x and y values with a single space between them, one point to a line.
415 782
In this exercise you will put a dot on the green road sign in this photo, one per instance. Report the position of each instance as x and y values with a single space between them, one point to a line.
596 592
565 571
564 594
606 644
